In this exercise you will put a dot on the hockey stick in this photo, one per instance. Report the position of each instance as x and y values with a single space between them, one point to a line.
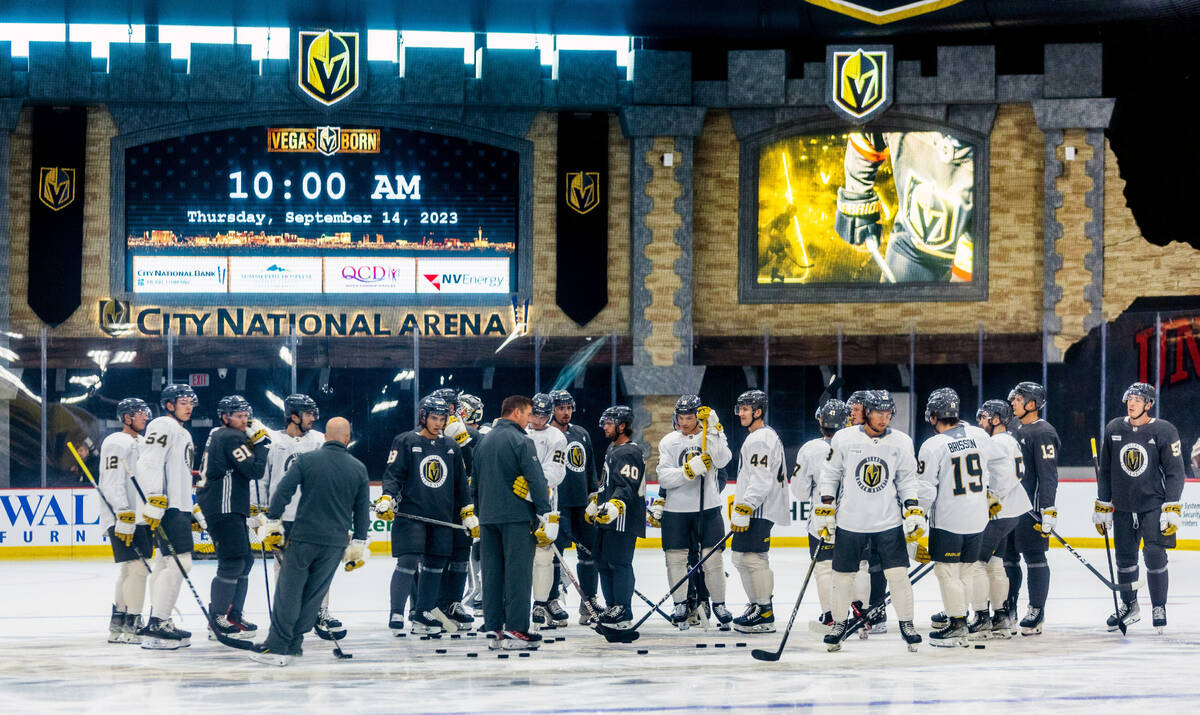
772 656
433 522
915 575
100 494
1108 549
831 390
1107 582
584 551
263 548
587 602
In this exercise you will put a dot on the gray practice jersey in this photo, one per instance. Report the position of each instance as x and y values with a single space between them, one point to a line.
809 461
283 451
118 457
165 459
962 465
674 451
875 476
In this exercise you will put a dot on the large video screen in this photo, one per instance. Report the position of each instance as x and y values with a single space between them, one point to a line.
320 210
867 208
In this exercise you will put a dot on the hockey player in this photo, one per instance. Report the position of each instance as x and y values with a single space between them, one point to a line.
1138 499
831 417
450 610
129 535
870 585
1039 453
855 403
470 411
619 511
552 453
873 468
297 438
424 477
688 460
236 455
965 473
164 472
580 482
760 500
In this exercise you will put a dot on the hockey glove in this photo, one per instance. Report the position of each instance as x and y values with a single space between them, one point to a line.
198 521
915 524
547 530
739 518
1102 517
520 487
469 520
698 465
456 430
254 519
994 505
919 550
1171 518
609 511
1049 521
825 516
654 512
356 554
857 217
257 433
385 508
270 533
153 510
589 513
124 527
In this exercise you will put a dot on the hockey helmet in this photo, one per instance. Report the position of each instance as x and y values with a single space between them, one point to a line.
470 408
1142 390
995 408
432 405
834 414
1029 391
173 393
131 406
233 403
449 394
878 401
942 404
298 404
756 399
617 414
543 406
562 397
687 404
856 397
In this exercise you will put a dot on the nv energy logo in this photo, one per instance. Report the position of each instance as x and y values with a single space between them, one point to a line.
860 81
56 187
583 190
327 67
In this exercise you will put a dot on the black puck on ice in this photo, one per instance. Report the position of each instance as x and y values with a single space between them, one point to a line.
719 645
400 635
472 655
740 645
440 650
980 646
547 640
424 638
455 636
522 655
473 634
643 651
701 645
502 655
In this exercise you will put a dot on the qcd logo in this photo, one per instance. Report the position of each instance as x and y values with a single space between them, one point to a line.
369 273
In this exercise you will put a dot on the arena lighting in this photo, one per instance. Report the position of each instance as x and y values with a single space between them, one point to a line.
73 400
16 336
8 376
285 355
404 375
274 399
100 357
9 355
384 406
123 356
85 380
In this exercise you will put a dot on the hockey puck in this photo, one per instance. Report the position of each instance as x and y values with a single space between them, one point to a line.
400 635
502 655
643 651
701 645
472 655
424 638
741 645
455 636
440 650
473 634
522 655
718 645
980 646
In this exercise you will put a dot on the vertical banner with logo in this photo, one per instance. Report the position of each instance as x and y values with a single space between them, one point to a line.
582 243
56 212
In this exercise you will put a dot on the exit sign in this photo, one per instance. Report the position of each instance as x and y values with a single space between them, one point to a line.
198 379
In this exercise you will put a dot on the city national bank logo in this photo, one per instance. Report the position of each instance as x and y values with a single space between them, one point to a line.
56 187
116 317
860 81
322 140
583 190
328 65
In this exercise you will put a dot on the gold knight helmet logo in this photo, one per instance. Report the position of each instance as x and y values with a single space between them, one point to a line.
871 475
329 140
860 80
116 317
583 190
328 64
56 187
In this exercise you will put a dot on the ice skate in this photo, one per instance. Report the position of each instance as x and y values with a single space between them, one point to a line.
1159 616
908 632
396 624
980 627
116 624
680 617
161 634
756 619
327 627
724 617
1031 624
1129 614
424 624
953 635
558 615
833 639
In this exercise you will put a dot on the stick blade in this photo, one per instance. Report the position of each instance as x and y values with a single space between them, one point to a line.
613 635
768 655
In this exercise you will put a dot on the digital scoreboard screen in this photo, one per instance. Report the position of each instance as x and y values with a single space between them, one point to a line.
321 210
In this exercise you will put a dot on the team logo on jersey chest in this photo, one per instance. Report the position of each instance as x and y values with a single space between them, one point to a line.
871 474
1134 459
576 457
433 471
687 453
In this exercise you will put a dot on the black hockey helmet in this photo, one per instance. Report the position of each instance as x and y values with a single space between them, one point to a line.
449 394
470 408
834 414
1029 391
298 404
687 404
756 399
131 406
432 405
1142 390
943 404
856 397
995 408
543 405
878 401
172 393
562 397
617 414
233 403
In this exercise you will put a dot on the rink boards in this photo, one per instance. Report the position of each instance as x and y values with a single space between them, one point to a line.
65 523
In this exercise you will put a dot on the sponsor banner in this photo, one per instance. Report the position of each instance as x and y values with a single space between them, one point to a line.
274 275
370 275
180 274
462 275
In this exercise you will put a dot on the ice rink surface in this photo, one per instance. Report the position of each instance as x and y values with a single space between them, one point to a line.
53 656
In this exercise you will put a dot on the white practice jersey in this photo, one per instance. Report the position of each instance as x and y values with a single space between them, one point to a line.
280 454
674 450
875 476
762 477
118 459
165 459
552 453
960 464
1013 499
810 460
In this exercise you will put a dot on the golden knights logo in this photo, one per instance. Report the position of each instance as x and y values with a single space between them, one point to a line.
583 190
576 457
56 187
871 474
1134 459
433 471
860 81
327 64
116 317
329 140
